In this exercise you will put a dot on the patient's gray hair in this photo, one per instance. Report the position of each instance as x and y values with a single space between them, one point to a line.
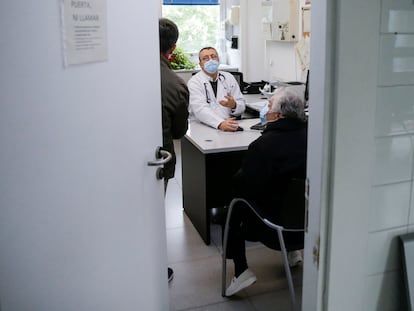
288 103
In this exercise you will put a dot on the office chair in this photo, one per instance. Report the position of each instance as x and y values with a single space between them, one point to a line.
292 220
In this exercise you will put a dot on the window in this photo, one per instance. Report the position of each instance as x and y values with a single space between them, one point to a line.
198 22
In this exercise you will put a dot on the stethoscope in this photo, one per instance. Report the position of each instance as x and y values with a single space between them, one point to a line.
222 79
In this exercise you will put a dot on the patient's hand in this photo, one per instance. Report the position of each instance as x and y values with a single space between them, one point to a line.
229 125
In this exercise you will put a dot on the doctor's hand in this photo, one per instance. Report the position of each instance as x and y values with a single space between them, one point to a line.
228 102
229 125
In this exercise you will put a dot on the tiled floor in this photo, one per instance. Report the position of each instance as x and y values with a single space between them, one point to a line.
197 267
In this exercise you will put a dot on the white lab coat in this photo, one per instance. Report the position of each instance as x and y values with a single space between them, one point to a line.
205 107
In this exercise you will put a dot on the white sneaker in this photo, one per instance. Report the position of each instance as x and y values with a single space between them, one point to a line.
244 280
294 258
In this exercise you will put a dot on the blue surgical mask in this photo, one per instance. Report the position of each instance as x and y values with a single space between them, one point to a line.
211 66
263 113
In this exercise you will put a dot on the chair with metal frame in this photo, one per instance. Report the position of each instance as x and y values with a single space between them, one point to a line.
292 220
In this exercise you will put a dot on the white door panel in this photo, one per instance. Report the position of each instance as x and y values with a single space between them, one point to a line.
318 160
82 224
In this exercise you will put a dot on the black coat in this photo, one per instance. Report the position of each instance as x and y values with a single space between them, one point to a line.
271 160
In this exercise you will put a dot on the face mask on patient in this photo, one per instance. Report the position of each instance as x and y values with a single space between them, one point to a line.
263 113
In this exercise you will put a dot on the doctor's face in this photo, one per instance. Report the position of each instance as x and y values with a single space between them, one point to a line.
206 55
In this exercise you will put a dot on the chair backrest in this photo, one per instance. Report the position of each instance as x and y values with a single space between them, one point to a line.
293 210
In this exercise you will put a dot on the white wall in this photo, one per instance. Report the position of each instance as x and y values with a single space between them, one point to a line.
371 174
391 210
252 42
280 61
265 59
233 55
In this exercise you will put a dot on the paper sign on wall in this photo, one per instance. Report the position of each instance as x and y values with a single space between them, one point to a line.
84 31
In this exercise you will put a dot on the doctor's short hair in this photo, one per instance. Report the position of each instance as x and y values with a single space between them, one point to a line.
206 48
289 104
168 32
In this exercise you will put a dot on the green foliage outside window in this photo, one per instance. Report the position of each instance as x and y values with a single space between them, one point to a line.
181 60
199 25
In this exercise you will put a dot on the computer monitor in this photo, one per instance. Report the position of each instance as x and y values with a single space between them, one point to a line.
239 78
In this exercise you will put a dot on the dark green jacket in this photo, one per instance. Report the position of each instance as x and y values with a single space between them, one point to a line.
174 98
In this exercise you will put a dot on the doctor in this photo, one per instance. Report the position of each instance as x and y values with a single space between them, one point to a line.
215 96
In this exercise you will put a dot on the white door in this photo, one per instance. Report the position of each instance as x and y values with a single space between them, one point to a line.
82 222
318 157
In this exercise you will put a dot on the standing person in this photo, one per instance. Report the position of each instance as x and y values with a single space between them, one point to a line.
270 162
174 98
215 96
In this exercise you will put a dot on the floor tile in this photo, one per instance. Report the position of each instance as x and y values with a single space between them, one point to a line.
185 243
196 283
277 300
230 305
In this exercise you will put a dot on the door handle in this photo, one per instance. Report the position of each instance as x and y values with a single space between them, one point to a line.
162 157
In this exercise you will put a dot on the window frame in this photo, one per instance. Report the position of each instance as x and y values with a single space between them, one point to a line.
191 2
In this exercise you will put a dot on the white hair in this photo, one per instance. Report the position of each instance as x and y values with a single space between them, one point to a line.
288 103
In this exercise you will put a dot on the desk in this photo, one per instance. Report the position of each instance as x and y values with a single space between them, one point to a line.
254 103
210 158
252 98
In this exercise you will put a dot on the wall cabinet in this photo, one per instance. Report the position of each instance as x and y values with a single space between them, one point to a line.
280 20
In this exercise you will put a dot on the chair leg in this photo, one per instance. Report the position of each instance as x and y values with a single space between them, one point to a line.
223 268
224 261
287 270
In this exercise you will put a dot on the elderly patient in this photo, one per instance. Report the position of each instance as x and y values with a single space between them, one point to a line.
271 160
